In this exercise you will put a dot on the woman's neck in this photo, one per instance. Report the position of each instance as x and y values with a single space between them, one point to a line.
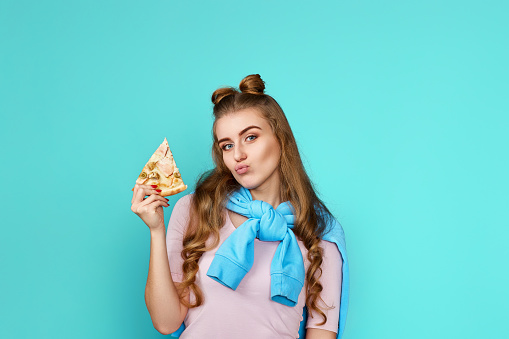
269 194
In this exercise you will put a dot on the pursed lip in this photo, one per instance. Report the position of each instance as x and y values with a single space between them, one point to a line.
240 166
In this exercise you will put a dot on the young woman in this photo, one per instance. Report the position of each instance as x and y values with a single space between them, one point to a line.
252 252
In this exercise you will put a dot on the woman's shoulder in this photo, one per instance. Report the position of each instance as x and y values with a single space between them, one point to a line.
330 249
184 202
180 213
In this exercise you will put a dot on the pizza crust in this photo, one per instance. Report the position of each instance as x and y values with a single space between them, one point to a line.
172 191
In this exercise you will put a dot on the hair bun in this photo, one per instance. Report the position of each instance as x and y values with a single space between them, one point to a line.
221 93
252 84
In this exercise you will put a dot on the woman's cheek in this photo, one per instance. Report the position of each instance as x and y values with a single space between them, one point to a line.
228 162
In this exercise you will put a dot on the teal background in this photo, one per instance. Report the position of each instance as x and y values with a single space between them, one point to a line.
400 109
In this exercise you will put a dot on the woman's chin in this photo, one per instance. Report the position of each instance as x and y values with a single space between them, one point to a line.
247 184
249 187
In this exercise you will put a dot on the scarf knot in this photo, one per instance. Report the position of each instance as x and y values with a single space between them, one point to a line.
271 225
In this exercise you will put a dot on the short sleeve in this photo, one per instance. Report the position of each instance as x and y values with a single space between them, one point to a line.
175 234
330 280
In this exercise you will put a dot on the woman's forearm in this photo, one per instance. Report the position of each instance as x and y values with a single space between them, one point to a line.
161 295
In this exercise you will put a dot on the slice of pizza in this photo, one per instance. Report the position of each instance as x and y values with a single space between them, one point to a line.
161 170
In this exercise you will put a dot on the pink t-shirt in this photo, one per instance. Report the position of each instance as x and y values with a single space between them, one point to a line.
248 312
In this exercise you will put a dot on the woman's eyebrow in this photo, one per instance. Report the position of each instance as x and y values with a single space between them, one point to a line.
240 133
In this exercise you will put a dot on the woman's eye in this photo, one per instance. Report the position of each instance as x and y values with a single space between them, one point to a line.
227 147
251 137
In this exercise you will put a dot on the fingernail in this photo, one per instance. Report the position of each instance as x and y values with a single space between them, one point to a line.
154 186
159 191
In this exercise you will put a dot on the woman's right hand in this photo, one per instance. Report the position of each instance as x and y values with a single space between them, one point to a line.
150 209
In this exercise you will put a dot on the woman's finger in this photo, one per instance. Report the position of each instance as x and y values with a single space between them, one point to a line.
135 189
140 194
144 190
154 195
151 203
141 191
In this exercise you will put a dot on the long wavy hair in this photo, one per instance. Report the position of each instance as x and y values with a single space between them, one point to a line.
213 188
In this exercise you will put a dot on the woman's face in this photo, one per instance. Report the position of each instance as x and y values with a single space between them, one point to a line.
250 148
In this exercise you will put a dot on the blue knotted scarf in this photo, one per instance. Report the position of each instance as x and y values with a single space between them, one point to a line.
235 256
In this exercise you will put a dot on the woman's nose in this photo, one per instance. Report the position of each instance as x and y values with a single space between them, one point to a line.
239 153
